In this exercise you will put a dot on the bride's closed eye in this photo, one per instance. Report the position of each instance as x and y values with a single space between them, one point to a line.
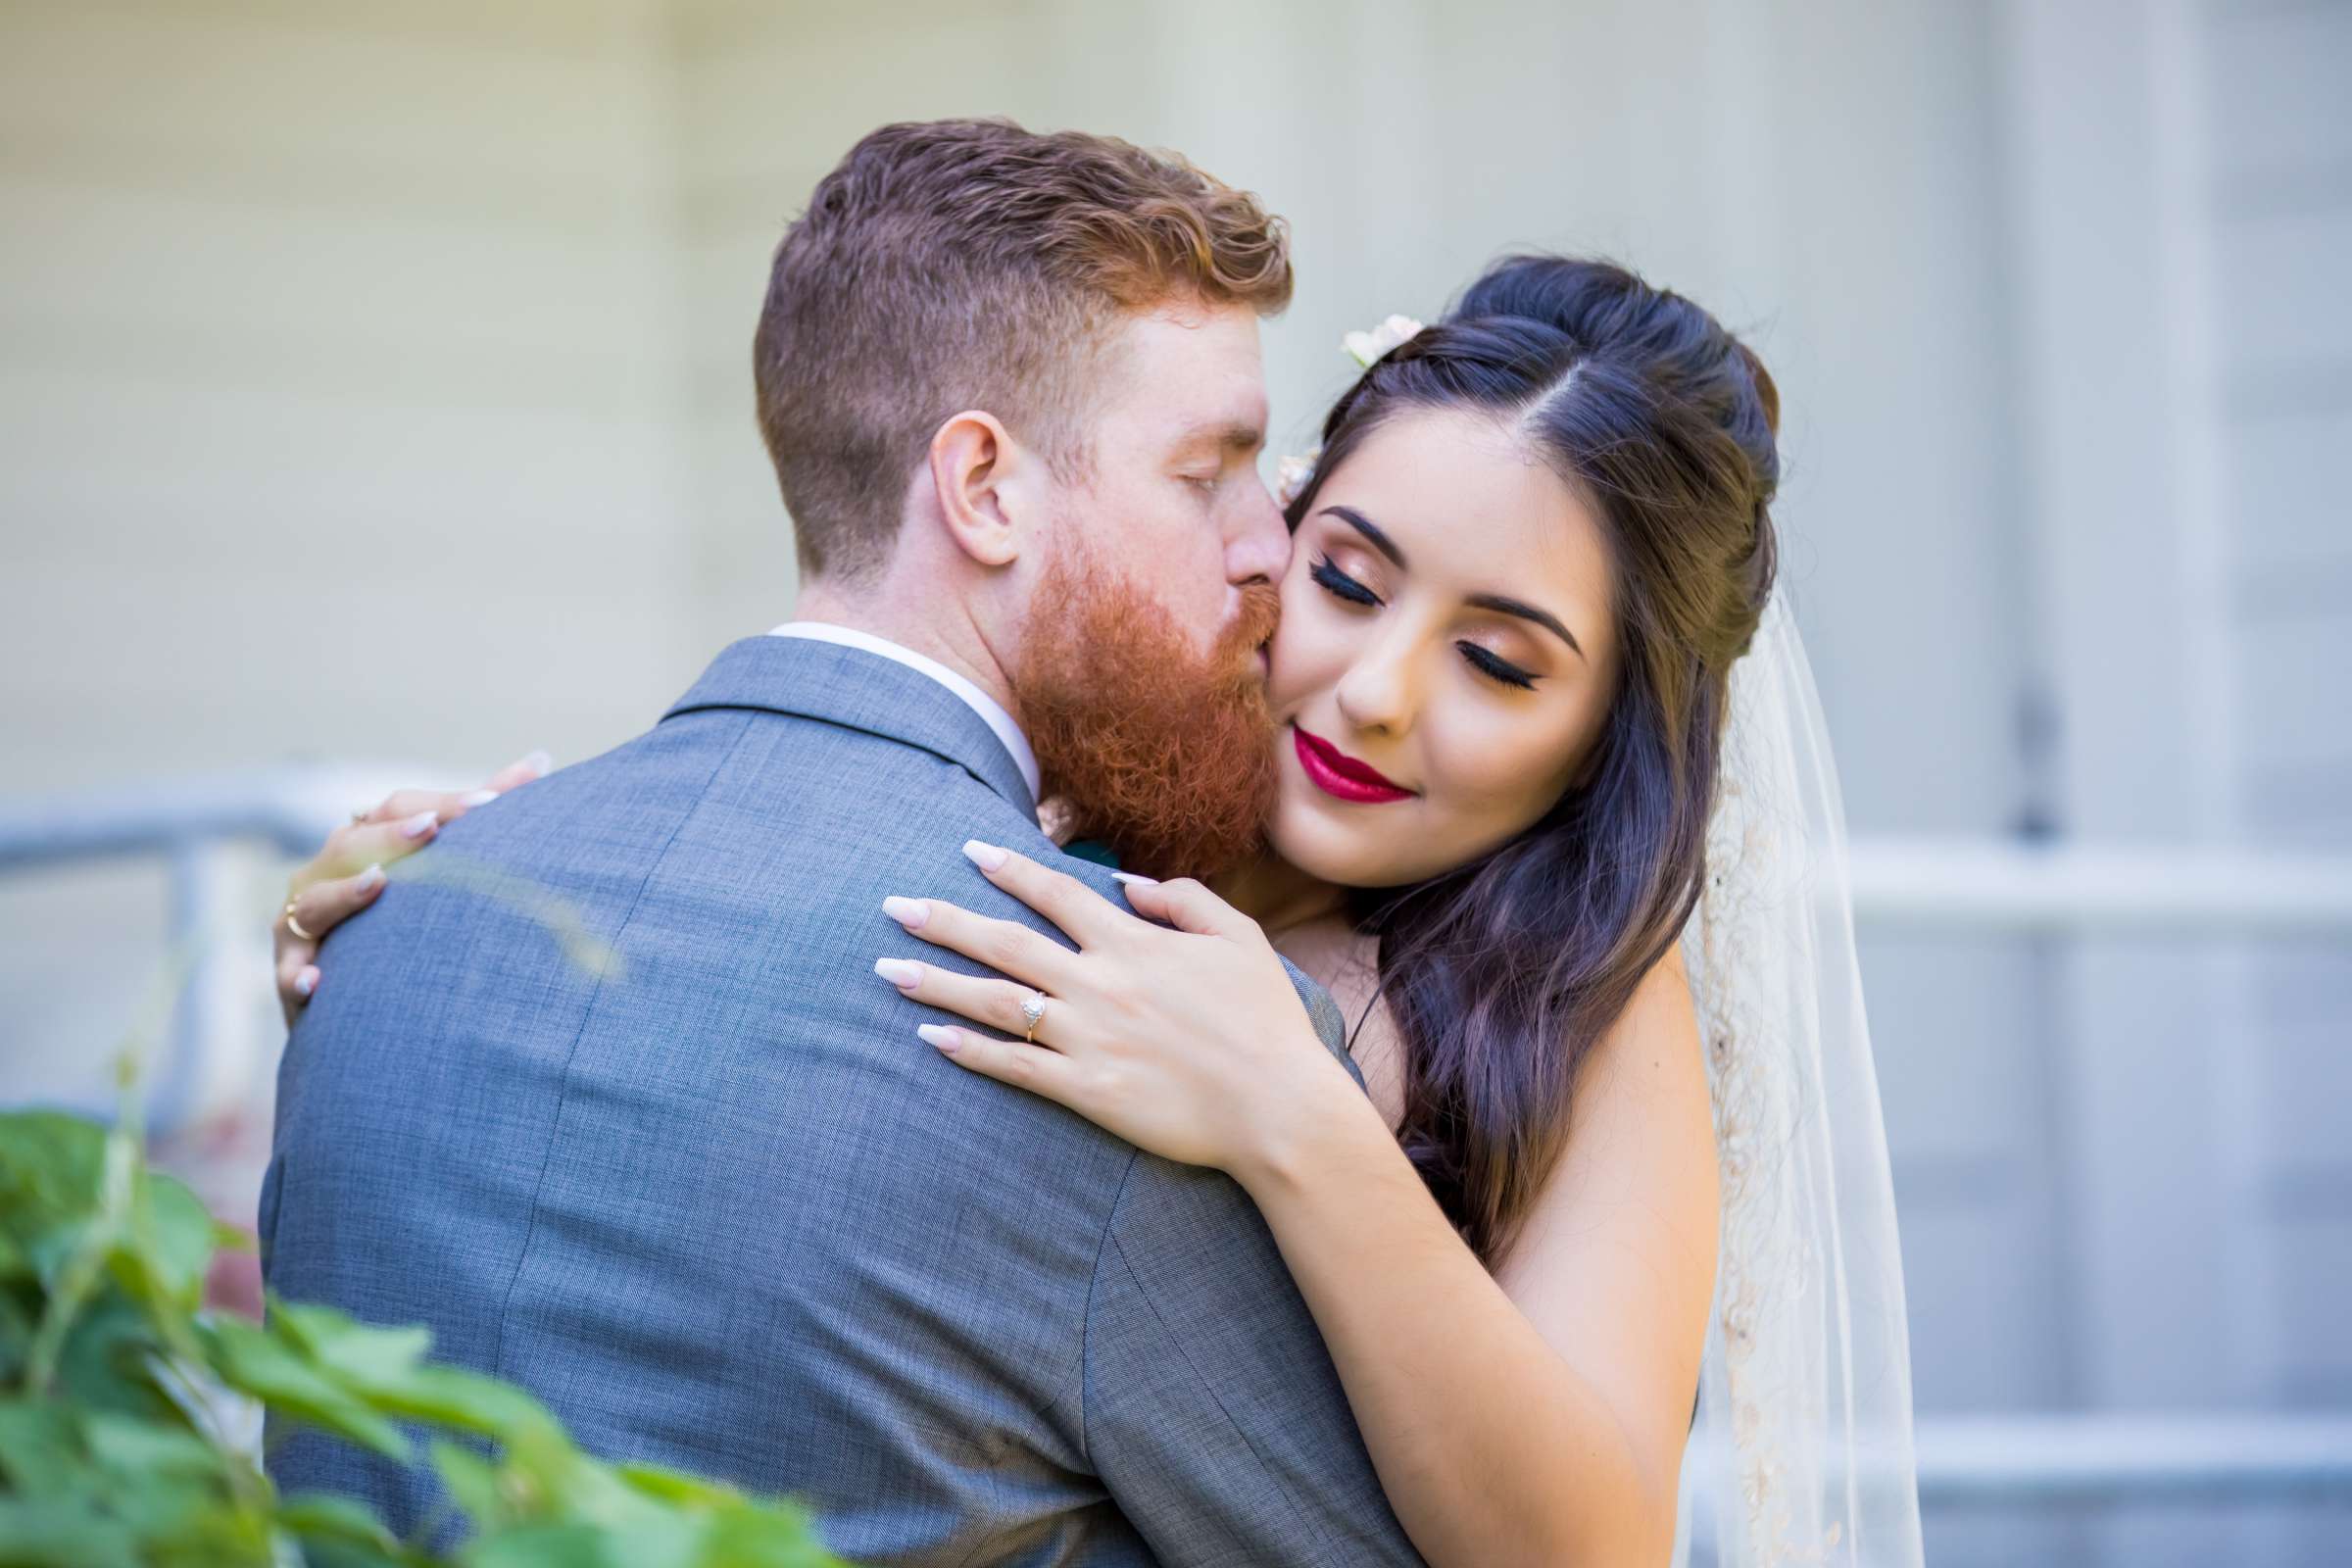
1497 667
1340 585
1332 581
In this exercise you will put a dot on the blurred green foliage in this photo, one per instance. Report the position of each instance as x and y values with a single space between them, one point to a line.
112 1452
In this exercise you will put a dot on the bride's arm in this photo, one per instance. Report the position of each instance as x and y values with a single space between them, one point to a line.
1537 1415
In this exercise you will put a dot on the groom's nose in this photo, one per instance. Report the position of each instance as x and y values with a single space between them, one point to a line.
1257 544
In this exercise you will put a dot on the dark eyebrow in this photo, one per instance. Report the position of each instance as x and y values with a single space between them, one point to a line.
1372 535
1525 611
1495 601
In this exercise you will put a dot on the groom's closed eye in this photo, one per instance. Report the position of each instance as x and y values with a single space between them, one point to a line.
1209 477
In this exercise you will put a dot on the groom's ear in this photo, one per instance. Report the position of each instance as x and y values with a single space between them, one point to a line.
981 477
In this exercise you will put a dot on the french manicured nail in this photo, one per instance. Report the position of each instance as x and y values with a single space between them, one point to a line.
371 880
418 826
904 973
477 797
538 762
306 982
909 912
1134 881
939 1035
987 857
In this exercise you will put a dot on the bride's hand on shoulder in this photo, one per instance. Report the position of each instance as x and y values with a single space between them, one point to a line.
1189 1043
348 872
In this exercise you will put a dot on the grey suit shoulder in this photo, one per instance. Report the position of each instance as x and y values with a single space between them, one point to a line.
718 1205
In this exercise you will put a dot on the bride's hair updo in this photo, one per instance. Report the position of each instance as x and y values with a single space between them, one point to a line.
1502 973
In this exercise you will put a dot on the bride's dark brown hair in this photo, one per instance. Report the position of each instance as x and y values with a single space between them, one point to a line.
1501 975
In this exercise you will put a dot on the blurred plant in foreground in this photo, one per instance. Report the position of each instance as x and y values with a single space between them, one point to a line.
111 1444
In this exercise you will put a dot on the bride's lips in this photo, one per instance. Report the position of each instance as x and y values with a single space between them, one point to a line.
1335 773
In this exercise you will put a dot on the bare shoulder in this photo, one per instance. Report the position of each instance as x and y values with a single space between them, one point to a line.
1661 1017
1646 1078
1616 1262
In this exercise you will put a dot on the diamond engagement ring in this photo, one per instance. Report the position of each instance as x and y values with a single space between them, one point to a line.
1033 1010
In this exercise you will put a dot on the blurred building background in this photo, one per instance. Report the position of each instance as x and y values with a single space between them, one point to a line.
374 394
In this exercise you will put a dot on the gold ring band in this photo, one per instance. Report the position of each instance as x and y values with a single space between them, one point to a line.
295 925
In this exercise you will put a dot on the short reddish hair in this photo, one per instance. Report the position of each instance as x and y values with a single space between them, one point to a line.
962 263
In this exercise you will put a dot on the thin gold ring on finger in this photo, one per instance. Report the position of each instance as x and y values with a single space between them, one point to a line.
1033 1013
295 925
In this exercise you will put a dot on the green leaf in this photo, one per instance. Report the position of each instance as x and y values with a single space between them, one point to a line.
765 1535
18 1322
546 1476
132 1450
52 1158
387 1370
54 1240
474 1484
107 1361
565 1546
321 1513
331 1552
339 1533
251 1359
170 1243
675 1486
452 1396
357 1351
40 1447
657 1537
63 1533
52 1180
167 1510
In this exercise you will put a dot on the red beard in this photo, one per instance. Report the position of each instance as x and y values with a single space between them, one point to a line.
1167 757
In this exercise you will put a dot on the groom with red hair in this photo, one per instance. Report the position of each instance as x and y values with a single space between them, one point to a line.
714 1202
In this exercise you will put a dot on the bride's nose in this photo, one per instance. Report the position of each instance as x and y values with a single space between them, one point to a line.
1379 692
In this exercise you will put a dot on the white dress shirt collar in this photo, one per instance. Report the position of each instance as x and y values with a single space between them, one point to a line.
991 711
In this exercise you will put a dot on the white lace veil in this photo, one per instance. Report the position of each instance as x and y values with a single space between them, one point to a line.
1801 1451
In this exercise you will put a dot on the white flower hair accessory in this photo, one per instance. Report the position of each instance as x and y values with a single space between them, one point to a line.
1367 347
1292 473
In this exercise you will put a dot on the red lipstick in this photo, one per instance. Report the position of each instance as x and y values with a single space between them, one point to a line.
1338 774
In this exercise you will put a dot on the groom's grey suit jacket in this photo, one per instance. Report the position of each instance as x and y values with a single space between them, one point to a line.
722 1208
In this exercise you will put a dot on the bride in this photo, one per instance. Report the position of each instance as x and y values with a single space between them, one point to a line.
1606 1258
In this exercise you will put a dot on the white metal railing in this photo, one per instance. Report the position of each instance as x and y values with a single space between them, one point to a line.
292 809
2171 1458
196 826
2107 890
1952 886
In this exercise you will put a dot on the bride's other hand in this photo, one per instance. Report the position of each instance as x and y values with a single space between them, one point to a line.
348 872
1189 1043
